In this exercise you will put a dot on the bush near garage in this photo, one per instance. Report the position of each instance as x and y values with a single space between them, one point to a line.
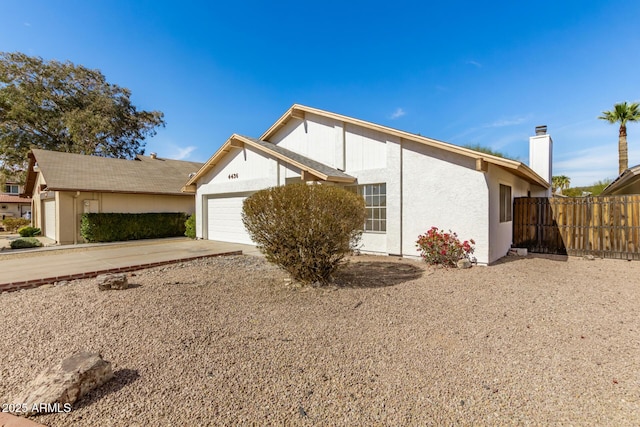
29 231
115 227
190 227
13 224
307 230
25 242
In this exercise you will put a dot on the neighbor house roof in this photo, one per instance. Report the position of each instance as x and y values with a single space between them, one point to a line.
628 182
78 172
7 198
305 164
297 112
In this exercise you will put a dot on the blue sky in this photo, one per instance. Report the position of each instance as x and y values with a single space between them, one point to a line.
457 71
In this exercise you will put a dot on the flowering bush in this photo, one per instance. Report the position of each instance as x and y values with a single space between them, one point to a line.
438 247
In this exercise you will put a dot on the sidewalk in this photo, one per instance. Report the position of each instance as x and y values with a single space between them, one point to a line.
29 268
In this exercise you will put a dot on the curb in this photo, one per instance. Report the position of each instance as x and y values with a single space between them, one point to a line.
34 283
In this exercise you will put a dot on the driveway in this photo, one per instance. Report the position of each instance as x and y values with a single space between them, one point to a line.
32 267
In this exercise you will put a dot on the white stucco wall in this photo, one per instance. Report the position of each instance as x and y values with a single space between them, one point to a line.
443 190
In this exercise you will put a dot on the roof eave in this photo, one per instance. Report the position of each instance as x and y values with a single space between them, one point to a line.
209 164
31 175
619 183
99 190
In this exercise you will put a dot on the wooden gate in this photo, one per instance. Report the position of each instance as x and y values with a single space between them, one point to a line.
605 226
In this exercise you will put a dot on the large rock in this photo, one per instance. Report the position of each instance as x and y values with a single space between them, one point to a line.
463 263
65 383
112 281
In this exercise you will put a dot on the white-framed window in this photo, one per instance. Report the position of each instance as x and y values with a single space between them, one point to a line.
375 200
12 188
505 203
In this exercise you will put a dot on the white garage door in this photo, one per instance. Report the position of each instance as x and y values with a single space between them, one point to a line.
49 210
224 216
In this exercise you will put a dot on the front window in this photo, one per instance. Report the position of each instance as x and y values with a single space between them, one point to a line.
375 200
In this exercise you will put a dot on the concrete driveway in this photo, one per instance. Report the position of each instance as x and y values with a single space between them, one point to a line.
27 268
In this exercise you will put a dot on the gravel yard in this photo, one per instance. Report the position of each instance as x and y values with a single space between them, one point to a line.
529 341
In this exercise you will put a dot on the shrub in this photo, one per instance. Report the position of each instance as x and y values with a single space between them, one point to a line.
115 227
190 227
25 242
306 230
12 224
438 247
29 231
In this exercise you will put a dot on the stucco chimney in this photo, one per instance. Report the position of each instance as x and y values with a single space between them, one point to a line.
541 154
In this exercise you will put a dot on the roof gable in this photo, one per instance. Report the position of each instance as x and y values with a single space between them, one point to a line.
78 172
313 168
297 112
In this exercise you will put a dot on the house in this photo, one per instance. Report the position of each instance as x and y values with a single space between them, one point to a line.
12 205
63 186
627 183
410 182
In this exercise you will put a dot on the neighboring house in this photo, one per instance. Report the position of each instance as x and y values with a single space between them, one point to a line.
63 186
410 183
627 183
11 204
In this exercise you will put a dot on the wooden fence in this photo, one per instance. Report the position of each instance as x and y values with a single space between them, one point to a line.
606 226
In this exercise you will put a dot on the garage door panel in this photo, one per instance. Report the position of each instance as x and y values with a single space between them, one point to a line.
224 216
49 208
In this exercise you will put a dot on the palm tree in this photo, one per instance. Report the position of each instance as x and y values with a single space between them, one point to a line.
622 113
559 183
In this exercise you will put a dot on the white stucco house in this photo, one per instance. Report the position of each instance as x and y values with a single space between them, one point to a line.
410 182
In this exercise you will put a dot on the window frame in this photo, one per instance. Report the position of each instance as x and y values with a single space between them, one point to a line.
375 197
506 203
8 187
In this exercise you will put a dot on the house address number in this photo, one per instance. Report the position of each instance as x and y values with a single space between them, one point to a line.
233 175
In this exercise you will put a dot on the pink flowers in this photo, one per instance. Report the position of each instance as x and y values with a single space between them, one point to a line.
438 247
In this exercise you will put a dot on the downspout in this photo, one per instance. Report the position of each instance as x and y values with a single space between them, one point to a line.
75 218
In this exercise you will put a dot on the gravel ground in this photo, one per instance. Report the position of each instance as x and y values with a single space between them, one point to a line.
226 341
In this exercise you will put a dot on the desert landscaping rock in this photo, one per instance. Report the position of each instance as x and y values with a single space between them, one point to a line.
116 281
65 383
529 341
463 263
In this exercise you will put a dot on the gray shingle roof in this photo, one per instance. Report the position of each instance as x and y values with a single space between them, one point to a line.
310 163
67 171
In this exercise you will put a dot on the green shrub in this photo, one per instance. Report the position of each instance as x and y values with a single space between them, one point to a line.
29 231
12 224
307 230
25 242
115 227
190 227
438 247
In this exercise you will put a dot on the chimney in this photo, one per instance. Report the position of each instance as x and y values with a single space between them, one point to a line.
541 155
153 155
